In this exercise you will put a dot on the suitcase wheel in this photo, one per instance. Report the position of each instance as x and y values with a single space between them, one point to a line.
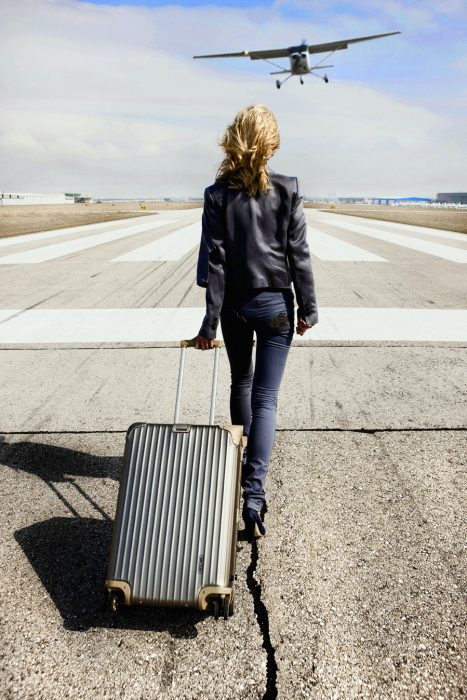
215 608
222 606
114 602
227 607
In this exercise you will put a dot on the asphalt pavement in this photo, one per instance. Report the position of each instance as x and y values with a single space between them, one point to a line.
358 588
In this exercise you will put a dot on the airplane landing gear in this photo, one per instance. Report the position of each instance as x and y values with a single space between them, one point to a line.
279 82
326 79
301 80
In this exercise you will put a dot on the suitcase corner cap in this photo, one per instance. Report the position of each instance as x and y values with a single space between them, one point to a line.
236 431
122 586
207 591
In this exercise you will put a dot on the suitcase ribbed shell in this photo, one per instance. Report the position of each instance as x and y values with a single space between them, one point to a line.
176 512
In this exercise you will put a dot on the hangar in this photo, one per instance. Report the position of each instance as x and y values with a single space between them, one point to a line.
452 197
15 198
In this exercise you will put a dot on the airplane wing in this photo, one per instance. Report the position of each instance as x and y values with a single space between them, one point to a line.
343 44
280 53
271 53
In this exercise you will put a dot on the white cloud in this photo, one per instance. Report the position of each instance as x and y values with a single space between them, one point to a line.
109 100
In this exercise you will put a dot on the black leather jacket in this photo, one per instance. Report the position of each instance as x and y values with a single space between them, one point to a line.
254 242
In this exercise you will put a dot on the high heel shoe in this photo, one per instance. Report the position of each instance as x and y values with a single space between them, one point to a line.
254 527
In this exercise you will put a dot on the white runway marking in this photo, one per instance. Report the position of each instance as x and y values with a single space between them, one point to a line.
327 247
6 313
43 235
100 325
180 212
437 249
405 228
58 250
172 324
379 324
171 247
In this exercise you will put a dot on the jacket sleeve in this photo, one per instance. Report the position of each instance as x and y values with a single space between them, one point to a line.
211 265
298 255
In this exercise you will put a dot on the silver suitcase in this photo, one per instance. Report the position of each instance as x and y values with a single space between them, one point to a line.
175 531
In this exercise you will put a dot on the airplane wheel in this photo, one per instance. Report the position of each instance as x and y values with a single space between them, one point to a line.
278 84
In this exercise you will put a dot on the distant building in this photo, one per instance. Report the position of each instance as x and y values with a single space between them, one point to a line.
399 200
452 197
72 197
14 198
351 200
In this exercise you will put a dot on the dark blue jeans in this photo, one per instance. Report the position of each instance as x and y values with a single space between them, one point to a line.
254 392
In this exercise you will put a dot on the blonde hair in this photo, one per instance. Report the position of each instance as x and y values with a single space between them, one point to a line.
249 142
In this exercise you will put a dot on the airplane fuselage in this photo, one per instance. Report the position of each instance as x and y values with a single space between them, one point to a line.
299 63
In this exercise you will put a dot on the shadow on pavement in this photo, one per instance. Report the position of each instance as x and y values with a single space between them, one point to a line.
55 463
70 557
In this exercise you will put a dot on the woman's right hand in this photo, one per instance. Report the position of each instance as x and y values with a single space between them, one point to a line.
302 326
202 343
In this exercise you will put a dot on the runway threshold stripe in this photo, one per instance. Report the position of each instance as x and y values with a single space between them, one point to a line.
58 250
327 247
171 247
180 212
171 324
404 228
57 233
437 249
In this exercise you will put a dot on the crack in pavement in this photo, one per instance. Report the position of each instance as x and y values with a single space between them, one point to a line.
371 431
262 617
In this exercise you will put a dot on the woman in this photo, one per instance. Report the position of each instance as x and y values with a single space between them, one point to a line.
253 246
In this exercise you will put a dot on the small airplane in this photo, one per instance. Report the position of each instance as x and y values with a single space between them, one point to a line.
299 64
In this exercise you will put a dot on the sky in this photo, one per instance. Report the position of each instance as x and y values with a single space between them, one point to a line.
106 98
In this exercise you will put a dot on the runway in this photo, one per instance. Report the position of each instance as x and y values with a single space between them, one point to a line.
135 282
401 237
356 590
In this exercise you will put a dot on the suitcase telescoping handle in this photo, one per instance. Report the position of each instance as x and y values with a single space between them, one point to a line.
184 344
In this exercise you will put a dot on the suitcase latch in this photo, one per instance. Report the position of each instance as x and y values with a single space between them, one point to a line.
178 428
